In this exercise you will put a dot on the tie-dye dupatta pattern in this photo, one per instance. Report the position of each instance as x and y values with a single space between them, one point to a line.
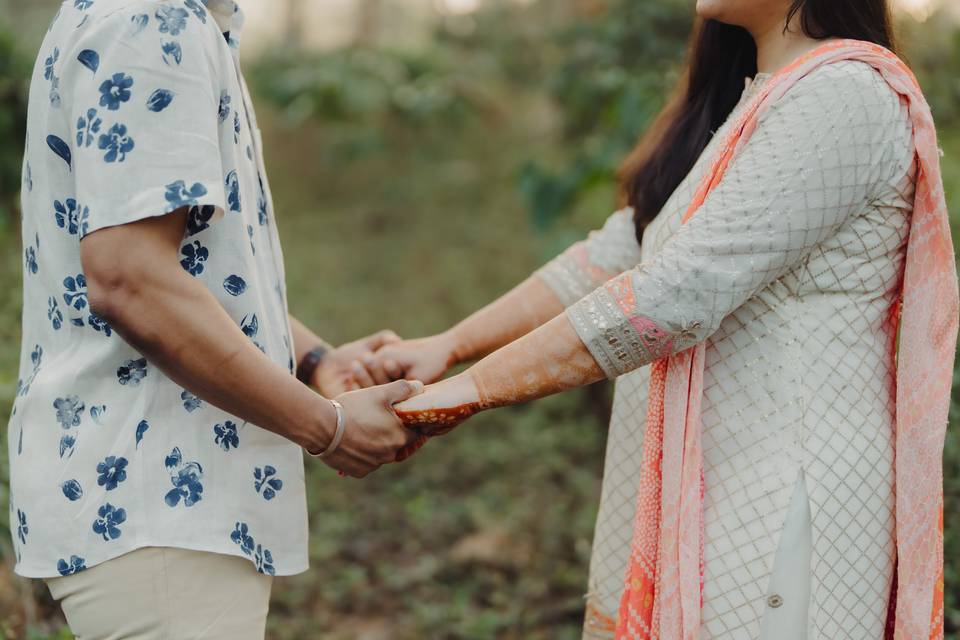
663 592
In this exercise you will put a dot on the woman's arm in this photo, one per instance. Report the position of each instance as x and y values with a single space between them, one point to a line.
541 297
814 161
548 360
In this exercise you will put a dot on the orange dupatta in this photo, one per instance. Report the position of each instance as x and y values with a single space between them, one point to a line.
663 592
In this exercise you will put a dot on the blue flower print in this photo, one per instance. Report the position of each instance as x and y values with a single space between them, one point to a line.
22 528
266 483
83 5
172 20
75 294
186 477
67 215
261 203
197 9
199 217
241 536
50 74
253 247
142 427
30 257
250 325
159 100
97 412
236 127
172 53
112 471
67 443
48 64
28 176
233 191
224 110
72 490
76 564
69 411
90 59
98 324
23 386
139 22
179 196
264 561
61 149
115 90
194 255
88 125
190 402
131 372
116 143
235 285
84 222
225 434
108 524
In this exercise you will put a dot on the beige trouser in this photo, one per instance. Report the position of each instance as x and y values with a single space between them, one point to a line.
162 593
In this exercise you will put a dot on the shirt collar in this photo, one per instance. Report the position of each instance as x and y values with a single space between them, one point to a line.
229 17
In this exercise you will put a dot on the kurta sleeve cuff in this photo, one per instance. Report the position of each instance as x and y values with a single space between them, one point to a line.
608 334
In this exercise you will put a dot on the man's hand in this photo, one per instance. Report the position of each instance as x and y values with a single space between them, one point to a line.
373 434
345 369
426 359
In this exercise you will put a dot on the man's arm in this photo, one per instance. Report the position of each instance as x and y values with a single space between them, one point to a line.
343 368
135 282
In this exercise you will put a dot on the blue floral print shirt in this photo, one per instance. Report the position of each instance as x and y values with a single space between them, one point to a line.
138 108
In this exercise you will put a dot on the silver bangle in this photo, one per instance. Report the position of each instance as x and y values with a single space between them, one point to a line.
337 436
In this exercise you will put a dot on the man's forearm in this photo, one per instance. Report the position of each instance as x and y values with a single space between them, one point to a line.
304 340
177 324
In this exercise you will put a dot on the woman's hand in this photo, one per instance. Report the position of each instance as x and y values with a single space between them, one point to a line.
438 410
341 369
426 359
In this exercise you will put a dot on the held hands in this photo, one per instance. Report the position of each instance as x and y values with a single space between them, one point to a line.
373 434
377 432
438 410
342 369
425 359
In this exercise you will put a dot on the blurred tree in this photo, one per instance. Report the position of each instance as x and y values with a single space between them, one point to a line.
14 74
620 61
293 25
368 22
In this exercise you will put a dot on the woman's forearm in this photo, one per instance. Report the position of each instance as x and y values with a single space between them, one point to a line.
526 307
548 360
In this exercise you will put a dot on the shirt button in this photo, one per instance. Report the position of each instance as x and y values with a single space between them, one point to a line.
774 601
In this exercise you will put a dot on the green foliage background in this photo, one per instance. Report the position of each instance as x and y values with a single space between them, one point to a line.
412 187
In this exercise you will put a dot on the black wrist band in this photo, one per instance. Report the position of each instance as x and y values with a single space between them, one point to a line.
309 363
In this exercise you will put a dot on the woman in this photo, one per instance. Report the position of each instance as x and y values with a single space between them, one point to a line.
775 254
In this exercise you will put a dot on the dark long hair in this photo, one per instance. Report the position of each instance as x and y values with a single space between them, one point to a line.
720 57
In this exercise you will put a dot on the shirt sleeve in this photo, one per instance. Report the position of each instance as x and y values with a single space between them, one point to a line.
591 262
817 158
144 100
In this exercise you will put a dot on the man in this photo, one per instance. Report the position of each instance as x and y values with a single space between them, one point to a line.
155 444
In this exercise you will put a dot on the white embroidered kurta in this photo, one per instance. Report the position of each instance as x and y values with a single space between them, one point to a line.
788 272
